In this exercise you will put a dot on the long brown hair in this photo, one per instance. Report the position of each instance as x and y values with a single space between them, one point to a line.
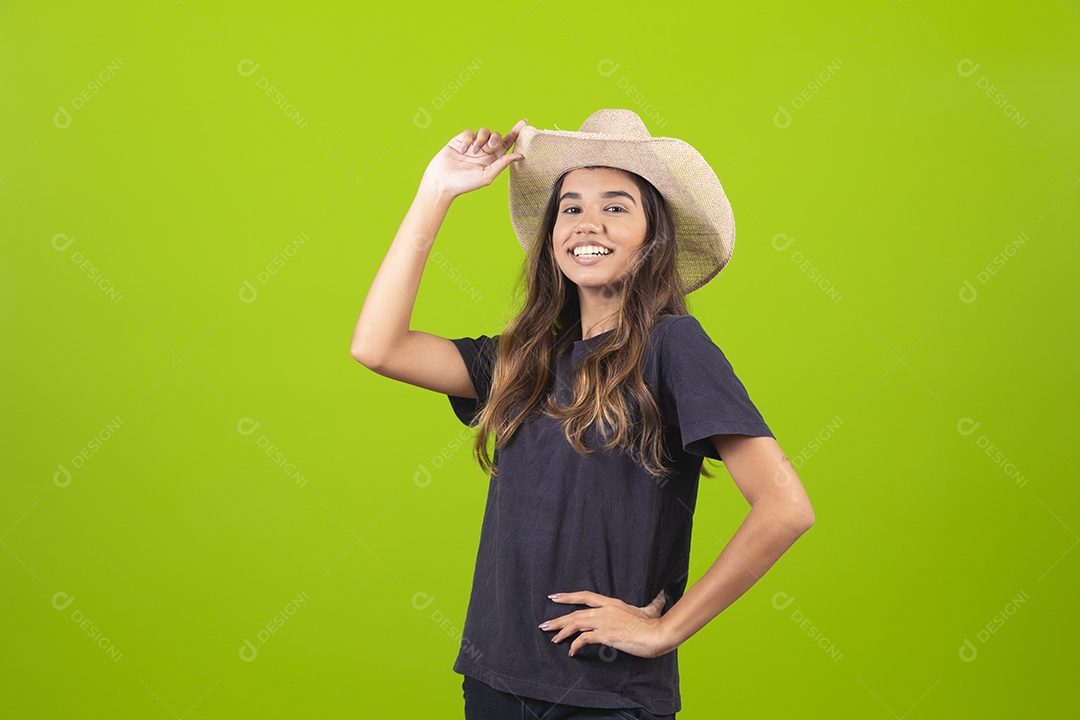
610 393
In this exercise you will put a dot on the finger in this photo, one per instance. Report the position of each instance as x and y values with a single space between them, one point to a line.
500 164
481 138
571 628
494 144
581 597
511 137
464 141
577 621
555 623
581 641
654 609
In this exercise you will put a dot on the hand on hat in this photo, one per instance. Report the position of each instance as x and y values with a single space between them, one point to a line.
472 160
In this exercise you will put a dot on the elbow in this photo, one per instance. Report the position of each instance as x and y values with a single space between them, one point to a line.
362 355
789 518
357 354
796 517
803 518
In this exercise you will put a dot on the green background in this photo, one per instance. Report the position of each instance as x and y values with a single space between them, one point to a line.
238 465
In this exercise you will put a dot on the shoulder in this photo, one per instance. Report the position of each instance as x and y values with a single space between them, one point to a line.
674 339
679 330
684 348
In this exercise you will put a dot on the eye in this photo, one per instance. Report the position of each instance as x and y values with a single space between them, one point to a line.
620 209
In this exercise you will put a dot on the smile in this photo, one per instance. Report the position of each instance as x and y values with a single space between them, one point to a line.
589 251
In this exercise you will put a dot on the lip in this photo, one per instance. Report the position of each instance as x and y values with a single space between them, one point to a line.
589 260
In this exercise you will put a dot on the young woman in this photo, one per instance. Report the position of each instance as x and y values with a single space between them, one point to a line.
604 396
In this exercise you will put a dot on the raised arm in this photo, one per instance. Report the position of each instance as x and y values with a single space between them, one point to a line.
382 340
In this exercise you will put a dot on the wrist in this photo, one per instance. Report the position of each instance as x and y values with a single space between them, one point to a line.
668 635
431 191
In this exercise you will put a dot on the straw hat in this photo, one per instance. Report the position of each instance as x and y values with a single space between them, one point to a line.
704 224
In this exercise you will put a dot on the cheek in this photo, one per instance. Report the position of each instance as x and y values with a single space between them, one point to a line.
632 235
557 245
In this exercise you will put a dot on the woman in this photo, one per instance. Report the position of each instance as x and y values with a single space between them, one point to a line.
604 396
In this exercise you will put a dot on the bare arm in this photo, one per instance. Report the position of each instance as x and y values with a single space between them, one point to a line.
382 340
384 317
779 513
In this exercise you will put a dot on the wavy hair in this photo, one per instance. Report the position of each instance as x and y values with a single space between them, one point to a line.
610 393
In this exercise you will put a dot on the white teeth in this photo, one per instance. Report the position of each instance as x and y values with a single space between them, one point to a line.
590 251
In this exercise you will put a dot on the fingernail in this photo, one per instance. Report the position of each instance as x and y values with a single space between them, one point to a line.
553 597
543 625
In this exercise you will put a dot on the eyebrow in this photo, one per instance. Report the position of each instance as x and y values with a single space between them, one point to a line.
608 194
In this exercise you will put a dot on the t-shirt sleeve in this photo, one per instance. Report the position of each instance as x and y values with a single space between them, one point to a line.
699 391
479 356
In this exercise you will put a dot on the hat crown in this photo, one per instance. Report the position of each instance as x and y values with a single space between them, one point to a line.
616 122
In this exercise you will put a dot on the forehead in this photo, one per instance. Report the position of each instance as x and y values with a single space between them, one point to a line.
599 180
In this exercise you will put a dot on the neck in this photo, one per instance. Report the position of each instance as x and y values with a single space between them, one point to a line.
599 310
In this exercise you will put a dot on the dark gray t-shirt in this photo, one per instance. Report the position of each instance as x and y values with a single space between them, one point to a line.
557 521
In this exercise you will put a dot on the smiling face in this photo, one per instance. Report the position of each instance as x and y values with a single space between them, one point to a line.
600 209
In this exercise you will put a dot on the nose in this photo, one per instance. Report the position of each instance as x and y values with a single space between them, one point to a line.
587 222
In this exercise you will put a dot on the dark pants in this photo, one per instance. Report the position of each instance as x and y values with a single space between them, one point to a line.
483 702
